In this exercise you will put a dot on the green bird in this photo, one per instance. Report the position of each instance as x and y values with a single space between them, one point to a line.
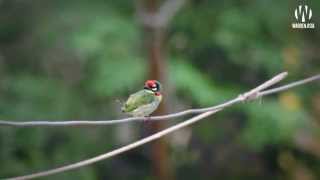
145 101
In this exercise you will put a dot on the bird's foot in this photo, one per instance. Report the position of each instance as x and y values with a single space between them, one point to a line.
147 119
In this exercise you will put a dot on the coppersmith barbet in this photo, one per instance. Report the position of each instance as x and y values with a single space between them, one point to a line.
145 101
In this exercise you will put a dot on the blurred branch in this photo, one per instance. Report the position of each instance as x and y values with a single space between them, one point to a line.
154 16
308 142
250 95
168 10
258 90
162 17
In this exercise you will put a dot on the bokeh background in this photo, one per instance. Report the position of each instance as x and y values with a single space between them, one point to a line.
73 60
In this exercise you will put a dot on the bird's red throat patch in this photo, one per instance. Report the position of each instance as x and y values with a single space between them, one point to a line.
157 93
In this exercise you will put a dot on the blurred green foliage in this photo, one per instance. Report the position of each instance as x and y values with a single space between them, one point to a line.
73 59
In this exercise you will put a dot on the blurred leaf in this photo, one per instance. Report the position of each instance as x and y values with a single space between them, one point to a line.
48 97
290 101
113 77
197 85
271 123
111 42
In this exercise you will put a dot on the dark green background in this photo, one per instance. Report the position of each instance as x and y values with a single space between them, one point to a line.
63 60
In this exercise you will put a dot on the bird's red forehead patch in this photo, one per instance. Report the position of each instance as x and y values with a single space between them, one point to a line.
150 83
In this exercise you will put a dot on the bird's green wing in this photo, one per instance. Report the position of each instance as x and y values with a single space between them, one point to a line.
138 99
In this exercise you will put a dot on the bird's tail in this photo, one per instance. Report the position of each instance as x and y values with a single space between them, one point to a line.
122 104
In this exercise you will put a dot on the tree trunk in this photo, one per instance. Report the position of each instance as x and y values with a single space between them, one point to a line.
154 43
